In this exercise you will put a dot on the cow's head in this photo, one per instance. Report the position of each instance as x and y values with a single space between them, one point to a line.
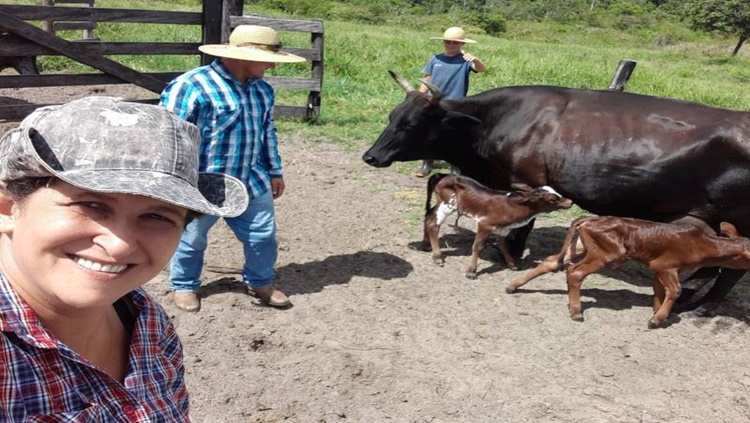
418 128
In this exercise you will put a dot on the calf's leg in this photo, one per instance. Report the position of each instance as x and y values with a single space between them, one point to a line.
479 239
671 283
576 272
431 236
550 264
505 251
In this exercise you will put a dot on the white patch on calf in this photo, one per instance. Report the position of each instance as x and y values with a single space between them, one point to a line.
444 210
505 230
551 190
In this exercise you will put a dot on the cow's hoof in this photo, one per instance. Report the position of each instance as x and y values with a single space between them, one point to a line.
438 262
509 289
424 247
654 324
470 275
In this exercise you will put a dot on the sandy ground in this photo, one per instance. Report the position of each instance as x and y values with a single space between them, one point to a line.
378 333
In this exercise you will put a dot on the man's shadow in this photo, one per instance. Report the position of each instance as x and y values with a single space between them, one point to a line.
306 278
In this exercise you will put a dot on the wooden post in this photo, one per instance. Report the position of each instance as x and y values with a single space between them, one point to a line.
215 24
622 74
235 7
313 99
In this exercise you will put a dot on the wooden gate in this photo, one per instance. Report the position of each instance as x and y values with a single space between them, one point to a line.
25 40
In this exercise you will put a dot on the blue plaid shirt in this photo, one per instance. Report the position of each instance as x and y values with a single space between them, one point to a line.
236 122
43 380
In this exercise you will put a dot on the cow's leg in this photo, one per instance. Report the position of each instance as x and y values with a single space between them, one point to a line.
517 239
671 284
550 264
505 251
706 305
481 236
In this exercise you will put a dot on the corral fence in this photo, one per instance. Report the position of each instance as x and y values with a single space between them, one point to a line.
21 42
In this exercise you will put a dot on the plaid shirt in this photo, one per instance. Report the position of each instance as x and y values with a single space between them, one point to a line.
43 380
236 123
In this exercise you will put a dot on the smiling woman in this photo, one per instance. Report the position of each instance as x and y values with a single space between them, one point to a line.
94 195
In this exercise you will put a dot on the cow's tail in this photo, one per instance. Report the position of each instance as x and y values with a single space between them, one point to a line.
570 238
431 184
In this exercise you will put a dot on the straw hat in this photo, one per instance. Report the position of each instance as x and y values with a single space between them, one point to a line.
252 42
455 33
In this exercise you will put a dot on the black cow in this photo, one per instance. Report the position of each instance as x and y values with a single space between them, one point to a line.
612 153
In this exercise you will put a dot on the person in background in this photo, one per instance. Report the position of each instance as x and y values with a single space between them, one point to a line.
450 71
94 195
233 107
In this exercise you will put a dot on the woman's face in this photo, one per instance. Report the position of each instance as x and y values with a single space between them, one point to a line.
64 247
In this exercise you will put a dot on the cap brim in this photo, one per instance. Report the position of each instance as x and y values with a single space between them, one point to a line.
465 40
217 194
250 53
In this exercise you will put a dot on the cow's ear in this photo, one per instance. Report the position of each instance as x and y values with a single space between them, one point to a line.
453 120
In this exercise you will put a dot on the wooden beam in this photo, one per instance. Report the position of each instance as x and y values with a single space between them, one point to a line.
64 80
313 25
97 14
28 48
79 53
622 74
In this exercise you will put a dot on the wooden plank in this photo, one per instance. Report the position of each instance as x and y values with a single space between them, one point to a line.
315 25
300 84
622 74
298 112
62 80
28 48
73 25
89 2
96 14
79 53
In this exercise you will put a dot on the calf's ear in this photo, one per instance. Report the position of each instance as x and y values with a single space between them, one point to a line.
728 230
520 186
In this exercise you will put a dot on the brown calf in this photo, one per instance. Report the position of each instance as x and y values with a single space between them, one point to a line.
665 248
492 210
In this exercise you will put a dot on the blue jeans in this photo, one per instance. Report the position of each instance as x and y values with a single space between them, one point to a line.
255 228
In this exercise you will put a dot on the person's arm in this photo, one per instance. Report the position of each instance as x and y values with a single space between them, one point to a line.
182 99
422 87
476 63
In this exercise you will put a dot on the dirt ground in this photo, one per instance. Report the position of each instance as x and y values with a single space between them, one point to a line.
378 333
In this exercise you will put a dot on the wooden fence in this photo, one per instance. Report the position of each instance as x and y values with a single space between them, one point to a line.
22 41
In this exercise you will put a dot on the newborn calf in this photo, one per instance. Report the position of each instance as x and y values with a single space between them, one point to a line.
492 210
665 248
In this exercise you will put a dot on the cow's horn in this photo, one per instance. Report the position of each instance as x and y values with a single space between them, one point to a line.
436 93
401 81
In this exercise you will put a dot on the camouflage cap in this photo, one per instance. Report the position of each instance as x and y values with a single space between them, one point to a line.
104 144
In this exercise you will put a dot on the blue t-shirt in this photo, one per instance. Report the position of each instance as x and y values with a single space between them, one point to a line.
450 74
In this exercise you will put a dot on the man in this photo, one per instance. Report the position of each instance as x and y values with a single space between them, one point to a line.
450 72
233 107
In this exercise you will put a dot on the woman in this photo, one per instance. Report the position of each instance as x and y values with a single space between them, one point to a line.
94 195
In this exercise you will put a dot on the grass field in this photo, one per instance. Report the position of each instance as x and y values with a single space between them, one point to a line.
358 93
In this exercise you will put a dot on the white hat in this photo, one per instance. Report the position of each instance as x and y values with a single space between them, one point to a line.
455 33
252 42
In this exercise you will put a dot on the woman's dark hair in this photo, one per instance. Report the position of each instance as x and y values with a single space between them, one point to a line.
18 189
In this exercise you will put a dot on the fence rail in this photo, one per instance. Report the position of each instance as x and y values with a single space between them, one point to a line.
24 41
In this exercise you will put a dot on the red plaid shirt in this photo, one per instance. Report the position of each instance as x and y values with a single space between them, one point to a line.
43 380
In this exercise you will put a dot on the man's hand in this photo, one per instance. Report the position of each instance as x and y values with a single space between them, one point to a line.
277 187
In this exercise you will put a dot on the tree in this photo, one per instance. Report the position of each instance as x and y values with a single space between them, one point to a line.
728 17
